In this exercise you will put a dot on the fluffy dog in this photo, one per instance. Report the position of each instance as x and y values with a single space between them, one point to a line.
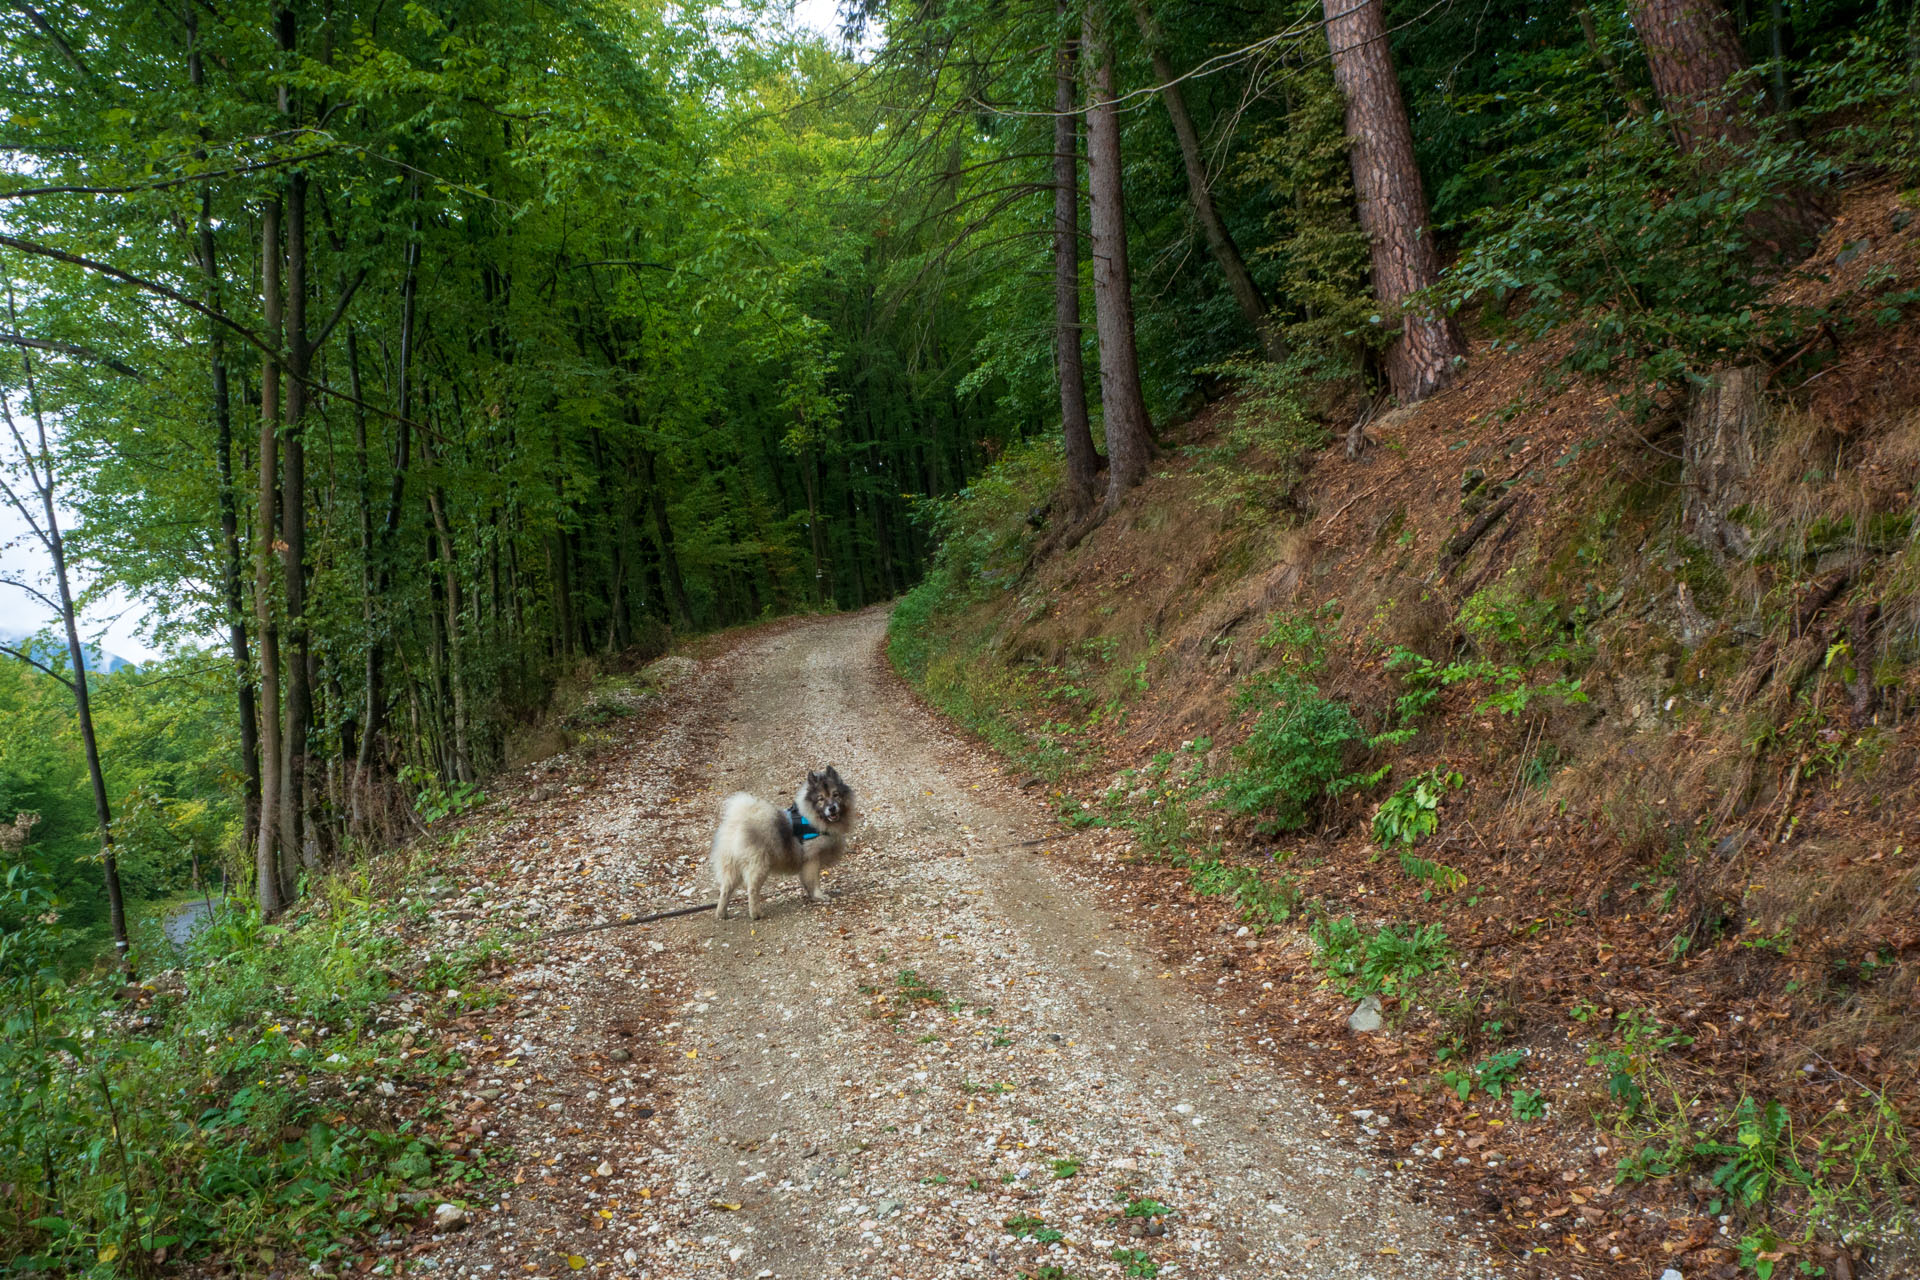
754 839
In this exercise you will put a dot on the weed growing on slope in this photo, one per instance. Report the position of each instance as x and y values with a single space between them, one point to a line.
1259 901
1294 756
1494 1076
1412 813
1363 963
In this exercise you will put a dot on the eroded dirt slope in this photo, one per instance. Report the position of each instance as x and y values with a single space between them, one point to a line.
963 1039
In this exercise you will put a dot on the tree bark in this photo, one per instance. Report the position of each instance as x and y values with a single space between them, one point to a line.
1393 202
456 626
382 550
232 574
42 478
1220 242
1083 460
267 848
1123 411
295 801
1694 55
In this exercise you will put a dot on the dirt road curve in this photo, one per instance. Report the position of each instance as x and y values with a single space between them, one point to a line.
960 1066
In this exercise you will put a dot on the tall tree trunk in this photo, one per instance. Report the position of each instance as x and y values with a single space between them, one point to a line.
1694 55
1393 203
363 491
267 849
663 531
456 627
1220 242
295 801
41 475
232 574
297 716
1124 412
382 550
1083 461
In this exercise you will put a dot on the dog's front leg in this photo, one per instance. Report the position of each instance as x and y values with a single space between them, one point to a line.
810 881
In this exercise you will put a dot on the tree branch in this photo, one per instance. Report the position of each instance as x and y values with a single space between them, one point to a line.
339 310
48 30
33 662
24 193
69 349
159 290
35 592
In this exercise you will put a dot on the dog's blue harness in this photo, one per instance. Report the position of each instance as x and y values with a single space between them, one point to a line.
802 829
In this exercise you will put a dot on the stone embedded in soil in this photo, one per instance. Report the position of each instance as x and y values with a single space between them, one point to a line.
448 1217
1366 1016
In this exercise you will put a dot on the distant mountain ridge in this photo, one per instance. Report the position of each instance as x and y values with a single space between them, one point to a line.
98 660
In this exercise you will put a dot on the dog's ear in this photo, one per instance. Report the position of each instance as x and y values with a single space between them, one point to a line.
832 773
812 777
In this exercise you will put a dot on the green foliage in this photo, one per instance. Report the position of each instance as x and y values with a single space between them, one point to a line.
1294 756
1760 1155
435 800
1363 963
167 749
1411 814
1864 91
1260 902
1515 639
1257 462
1630 1061
1137 1262
245 1119
1029 1226
1312 239
1646 252
1494 1077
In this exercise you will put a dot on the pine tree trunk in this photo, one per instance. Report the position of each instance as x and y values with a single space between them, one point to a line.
1083 460
1220 242
267 848
1123 411
1393 202
1693 54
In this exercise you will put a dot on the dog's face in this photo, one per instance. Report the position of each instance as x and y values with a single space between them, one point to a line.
828 796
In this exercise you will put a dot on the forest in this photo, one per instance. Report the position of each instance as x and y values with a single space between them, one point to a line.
413 366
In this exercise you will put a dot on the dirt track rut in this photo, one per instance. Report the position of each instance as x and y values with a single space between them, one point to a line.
962 1039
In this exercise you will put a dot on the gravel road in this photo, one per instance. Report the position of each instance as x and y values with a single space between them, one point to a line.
962 1065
